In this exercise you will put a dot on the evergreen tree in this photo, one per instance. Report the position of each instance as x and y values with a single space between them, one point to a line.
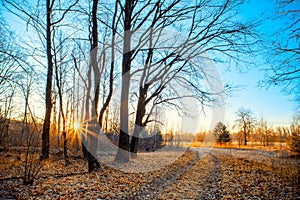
221 133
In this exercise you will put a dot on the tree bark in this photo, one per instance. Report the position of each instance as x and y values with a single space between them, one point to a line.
47 119
93 163
139 126
245 136
123 151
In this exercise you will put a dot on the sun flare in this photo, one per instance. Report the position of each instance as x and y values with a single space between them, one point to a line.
77 126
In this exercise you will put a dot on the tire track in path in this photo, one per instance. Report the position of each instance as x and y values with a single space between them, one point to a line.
211 189
151 191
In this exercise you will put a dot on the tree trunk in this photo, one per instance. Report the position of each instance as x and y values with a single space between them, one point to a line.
139 126
92 161
123 151
84 140
65 142
47 119
64 133
141 106
58 129
112 67
245 137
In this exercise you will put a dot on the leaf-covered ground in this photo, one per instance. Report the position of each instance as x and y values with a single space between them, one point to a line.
224 175
219 174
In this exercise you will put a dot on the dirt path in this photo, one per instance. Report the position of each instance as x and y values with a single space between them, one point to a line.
150 191
223 175
197 180
211 188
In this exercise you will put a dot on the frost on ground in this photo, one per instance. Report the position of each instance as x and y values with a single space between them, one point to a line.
219 174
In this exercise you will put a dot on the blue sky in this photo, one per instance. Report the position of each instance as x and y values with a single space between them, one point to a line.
270 104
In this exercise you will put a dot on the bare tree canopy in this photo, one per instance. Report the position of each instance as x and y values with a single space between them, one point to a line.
169 58
246 123
283 51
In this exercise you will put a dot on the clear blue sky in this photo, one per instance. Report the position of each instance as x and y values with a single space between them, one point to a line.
271 104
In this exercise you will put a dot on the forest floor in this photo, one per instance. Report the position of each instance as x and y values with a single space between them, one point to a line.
196 174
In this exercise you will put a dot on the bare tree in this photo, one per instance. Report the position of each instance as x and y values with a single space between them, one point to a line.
32 163
62 67
50 23
47 119
169 64
12 65
97 72
114 26
262 131
246 123
295 135
10 59
94 65
32 15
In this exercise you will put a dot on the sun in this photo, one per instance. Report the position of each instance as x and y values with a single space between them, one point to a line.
77 125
